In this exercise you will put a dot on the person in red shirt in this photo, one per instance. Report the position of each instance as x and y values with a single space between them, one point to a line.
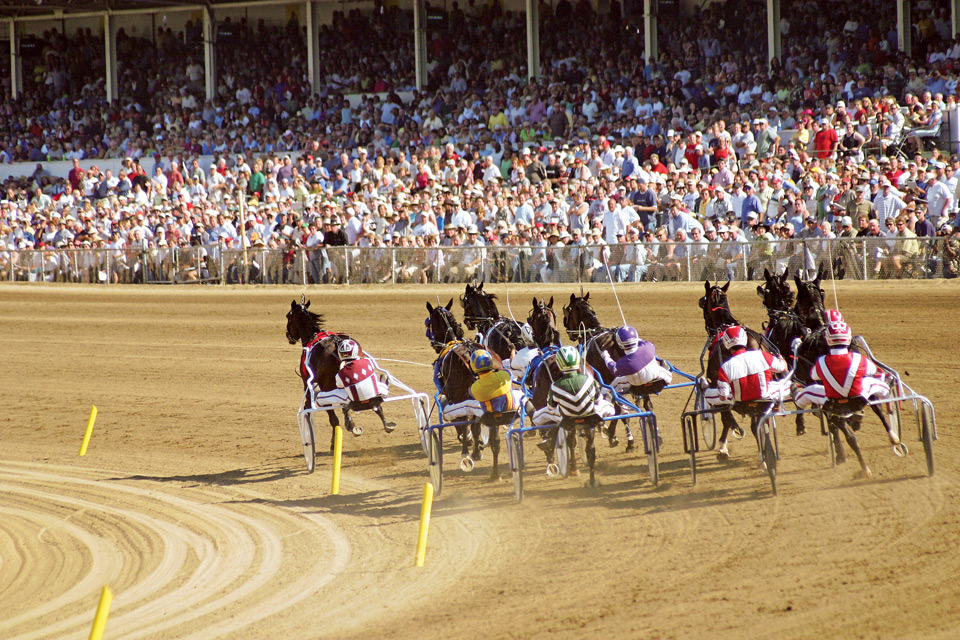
356 381
841 373
825 140
76 176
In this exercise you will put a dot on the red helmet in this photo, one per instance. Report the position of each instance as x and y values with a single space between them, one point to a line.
838 334
832 315
734 337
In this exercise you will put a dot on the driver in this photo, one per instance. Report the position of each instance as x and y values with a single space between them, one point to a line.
356 380
639 364
842 373
574 394
517 365
493 391
746 375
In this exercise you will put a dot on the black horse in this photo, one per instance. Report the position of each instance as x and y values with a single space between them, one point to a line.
717 318
806 321
453 378
581 324
542 374
321 358
501 336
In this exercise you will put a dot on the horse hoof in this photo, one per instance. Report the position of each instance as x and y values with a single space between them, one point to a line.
574 473
553 470
477 456
389 427
544 445
738 432
357 431
900 450
494 477
801 431
631 446
466 464
863 474
613 442
723 456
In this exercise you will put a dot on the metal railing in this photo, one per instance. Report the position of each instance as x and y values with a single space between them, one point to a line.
844 258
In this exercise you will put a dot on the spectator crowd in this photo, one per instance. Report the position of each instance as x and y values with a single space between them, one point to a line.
707 162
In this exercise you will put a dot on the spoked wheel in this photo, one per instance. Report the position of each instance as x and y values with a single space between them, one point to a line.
420 415
926 434
832 448
516 446
708 430
563 455
309 441
769 454
436 460
653 464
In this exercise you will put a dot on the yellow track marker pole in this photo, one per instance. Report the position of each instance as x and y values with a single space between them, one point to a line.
337 456
424 523
100 620
89 432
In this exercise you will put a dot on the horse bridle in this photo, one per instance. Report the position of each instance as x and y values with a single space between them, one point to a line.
546 313
582 333
446 315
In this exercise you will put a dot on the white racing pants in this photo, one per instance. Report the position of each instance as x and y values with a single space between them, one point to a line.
551 415
650 373
815 394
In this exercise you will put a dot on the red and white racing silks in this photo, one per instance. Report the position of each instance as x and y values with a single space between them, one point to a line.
842 373
359 378
747 376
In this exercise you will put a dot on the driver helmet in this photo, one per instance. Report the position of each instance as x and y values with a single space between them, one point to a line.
526 332
838 334
734 337
481 361
349 350
568 359
832 315
627 339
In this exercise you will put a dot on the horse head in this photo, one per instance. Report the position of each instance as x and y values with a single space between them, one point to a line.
479 308
716 307
543 321
302 324
809 306
579 318
442 326
775 292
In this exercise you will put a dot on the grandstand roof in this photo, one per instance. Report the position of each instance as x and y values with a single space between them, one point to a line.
57 8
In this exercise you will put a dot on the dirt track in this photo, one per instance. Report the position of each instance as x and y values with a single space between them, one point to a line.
194 506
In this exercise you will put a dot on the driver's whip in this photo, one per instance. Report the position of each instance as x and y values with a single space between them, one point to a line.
610 277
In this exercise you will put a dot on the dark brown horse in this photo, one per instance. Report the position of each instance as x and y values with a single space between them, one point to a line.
453 377
582 325
320 362
501 336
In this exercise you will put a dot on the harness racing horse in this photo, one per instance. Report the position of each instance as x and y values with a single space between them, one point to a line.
542 373
453 377
808 324
582 325
320 361
501 336
717 318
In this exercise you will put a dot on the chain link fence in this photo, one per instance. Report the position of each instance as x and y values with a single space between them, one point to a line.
866 258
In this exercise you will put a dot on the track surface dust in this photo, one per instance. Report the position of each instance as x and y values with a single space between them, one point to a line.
194 505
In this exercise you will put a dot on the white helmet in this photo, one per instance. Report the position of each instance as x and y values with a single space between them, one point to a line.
349 350
838 334
734 337
526 332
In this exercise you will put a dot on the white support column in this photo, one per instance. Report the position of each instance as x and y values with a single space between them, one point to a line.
904 27
533 39
110 56
420 43
16 69
955 17
209 54
313 47
651 49
774 48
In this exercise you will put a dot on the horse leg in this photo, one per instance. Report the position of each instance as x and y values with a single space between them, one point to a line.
495 450
801 425
852 441
335 423
477 454
387 426
572 453
612 439
834 423
591 451
648 406
631 445
728 422
887 424
352 426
